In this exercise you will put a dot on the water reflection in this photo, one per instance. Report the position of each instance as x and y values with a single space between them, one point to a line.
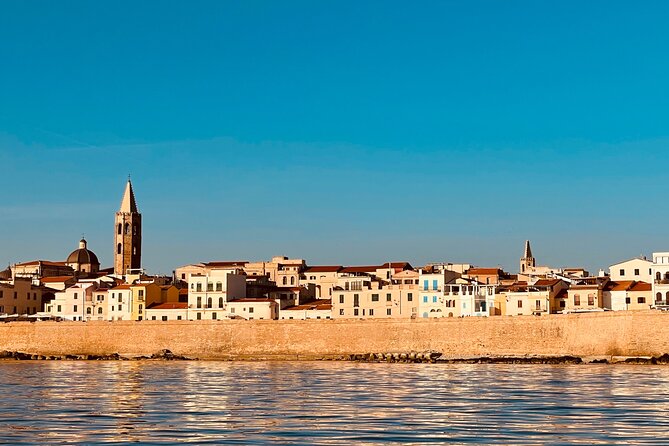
330 403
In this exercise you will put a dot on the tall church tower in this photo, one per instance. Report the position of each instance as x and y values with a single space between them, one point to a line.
127 234
527 262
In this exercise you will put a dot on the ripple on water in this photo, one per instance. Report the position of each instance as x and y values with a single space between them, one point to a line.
331 403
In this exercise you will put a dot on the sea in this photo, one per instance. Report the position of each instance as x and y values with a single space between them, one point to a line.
165 402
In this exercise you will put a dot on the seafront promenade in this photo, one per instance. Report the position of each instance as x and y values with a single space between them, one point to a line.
633 334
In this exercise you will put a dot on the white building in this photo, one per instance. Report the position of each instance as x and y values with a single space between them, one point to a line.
660 270
210 293
639 269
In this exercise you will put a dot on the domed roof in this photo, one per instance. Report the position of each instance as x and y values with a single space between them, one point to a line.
83 255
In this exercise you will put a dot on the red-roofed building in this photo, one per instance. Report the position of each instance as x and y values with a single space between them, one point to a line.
318 309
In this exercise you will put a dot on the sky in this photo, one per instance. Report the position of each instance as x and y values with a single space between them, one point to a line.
341 132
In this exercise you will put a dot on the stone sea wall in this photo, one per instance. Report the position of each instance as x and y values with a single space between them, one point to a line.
597 334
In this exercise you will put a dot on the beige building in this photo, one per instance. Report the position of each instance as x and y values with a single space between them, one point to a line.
169 311
585 295
638 269
323 278
281 270
531 299
624 295
252 308
20 297
209 294
38 269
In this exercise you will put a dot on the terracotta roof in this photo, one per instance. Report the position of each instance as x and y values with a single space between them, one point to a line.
396 265
56 279
43 262
168 306
641 286
360 269
183 291
125 286
547 282
561 295
320 304
483 271
623 285
323 269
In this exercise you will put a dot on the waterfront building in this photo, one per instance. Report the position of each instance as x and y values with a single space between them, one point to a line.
120 303
637 269
283 271
318 309
323 278
168 311
660 270
585 294
209 293
532 299
487 276
252 308
70 304
431 302
467 297
20 296
127 234
83 260
623 295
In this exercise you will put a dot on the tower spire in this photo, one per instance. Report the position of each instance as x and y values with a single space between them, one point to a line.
128 203
528 250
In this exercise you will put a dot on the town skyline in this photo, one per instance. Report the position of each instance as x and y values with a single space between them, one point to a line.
348 133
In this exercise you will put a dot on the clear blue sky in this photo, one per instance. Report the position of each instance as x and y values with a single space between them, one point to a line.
342 132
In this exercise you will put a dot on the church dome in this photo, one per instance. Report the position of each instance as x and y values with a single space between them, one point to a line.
83 255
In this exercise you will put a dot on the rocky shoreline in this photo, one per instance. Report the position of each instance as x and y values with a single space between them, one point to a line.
429 357
163 355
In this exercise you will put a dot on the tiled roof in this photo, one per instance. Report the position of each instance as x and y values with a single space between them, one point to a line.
223 264
396 265
56 279
323 269
43 262
252 300
360 269
125 286
623 285
547 282
641 286
483 271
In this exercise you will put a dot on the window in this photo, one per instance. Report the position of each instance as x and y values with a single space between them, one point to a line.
164 318
213 315
112 308
591 299
198 316
622 272
426 284
371 312
341 312
219 286
199 302
410 297
183 276
120 308
577 299
562 303
285 280
424 299
435 284
73 308
210 287
628 300
88 310
141 294
355 312
292 280
99 310
209 302
375 297
356 300
341 298
389 311
127 228
520 304
220 302
118 249
389 297
434 299
118 231
537 305
232 310
636 272
250 309
641 300
153 318
16 295
198 287
59 309
658 297
120 297
178 318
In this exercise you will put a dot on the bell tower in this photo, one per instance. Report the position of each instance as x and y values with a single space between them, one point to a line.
527 262
127 234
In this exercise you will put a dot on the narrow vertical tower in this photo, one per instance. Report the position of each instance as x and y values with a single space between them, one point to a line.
127 234
527 261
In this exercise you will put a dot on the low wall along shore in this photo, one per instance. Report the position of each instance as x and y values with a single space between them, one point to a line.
643 333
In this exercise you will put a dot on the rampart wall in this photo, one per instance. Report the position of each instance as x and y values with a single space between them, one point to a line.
643 333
